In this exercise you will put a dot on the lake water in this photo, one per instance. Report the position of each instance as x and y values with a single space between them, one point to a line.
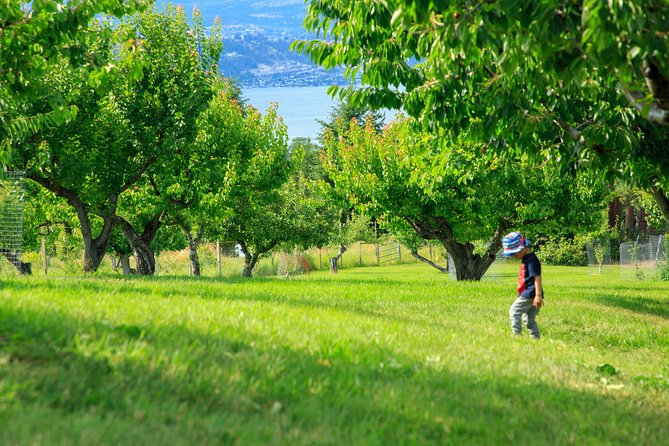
300 107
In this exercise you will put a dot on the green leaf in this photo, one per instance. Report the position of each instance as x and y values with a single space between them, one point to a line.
606 369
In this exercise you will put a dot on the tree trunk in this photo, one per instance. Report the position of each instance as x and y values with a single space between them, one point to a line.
141 244
662 201
123 261
251 259
146 260
193 244
249 264
125 264
334 269
470 266
428 261
194 259
94 248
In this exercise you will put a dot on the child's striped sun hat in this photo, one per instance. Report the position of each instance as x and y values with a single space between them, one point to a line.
514 242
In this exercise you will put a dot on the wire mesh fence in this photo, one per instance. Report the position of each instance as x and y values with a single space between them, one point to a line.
641 260
599 254
658 247
12 200
637 260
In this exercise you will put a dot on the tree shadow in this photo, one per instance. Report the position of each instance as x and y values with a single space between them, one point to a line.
644 305
258 391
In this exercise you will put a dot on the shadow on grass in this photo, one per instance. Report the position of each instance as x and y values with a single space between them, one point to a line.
252 393
645 305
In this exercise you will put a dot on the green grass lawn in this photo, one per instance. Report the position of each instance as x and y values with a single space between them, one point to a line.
372 356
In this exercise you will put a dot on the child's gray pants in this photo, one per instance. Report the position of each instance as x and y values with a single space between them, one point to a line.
520 307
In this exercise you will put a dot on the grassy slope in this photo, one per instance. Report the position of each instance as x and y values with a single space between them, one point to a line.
396 355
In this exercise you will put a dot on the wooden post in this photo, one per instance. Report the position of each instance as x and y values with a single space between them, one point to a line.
44 264
378 254
359 253
272 263
320 259
218 257
399 252
431 252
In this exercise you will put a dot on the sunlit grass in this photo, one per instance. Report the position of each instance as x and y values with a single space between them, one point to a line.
390 355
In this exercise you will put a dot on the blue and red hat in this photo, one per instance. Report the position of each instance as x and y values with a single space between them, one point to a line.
513 243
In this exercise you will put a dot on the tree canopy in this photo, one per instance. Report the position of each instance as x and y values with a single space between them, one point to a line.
458 197
135 127
583 82
35 38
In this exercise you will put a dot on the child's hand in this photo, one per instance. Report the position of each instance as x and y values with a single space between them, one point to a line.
538 302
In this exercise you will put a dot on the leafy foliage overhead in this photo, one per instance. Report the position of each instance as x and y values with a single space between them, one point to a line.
34 38
582 82
415 53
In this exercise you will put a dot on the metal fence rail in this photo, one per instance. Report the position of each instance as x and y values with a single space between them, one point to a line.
390 252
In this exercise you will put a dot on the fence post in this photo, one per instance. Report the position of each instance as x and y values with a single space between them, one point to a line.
359 253
272 263
44 264
218 257
431 252
399 252
320 258
378 254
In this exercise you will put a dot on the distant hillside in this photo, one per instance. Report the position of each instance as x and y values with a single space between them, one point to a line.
257 37
271 15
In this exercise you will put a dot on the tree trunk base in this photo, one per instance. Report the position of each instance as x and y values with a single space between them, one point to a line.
334 265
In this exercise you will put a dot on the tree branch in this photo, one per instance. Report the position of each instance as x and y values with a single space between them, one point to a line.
662 201
139 173
648 110
428 261
568 129
26 18
152 227
443 230
54 187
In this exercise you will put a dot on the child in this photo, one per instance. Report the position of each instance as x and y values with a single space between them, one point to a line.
530 291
